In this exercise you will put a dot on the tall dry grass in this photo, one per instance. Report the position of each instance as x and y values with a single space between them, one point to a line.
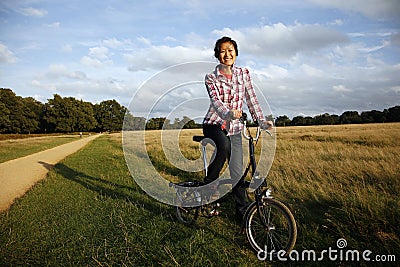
340 181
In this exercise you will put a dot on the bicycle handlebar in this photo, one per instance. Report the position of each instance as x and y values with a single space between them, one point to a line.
243 119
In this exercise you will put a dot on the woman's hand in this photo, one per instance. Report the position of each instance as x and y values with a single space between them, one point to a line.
267 125
235 113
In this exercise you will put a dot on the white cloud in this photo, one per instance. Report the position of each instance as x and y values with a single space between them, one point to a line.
66 48
170 39
62 80
113 43
59 71
311 71
33 12
272 72
370 8
347 52
54 25
282 41
395 39
341 88
159 57
373 48
396 89
337 22
98 57
99 52
6 56
92 62
144 40
276 41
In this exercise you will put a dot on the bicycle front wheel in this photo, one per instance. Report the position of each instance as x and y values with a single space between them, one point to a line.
270 228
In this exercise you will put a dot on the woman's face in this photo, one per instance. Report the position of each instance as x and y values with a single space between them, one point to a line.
227 54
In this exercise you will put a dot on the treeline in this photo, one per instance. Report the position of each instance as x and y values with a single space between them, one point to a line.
139 123
58 115
348 117
67 114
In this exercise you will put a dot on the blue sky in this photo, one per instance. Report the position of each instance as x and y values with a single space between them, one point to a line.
307 57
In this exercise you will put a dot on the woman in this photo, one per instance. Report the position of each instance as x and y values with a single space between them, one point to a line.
228 87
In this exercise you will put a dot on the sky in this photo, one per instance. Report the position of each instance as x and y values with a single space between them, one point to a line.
306 57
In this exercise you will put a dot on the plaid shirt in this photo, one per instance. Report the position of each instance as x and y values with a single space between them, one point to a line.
227 94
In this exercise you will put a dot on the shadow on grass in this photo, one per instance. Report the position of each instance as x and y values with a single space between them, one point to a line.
95 184
108 188
163 167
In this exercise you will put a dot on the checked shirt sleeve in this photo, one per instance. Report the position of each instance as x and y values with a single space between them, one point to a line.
216 102
251 99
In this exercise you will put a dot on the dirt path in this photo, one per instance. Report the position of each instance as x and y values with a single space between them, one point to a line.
17 176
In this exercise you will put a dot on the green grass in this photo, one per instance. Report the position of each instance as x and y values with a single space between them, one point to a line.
89 212
16 148
339 181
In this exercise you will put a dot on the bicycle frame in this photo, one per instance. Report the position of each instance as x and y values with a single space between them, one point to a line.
259 194
268 223
251 166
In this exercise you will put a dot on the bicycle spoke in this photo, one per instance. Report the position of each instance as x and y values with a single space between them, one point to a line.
271 227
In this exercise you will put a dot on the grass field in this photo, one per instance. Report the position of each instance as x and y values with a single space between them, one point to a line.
339 181
15 147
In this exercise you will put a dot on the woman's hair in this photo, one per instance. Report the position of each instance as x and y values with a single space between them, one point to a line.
217 48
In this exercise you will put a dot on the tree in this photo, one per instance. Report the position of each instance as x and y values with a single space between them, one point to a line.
349 117
109 115
373 116
177 124
298 121
188 123
36 113
30 115
155 123
16 116
60 114
326 119
68 115
85 120
282 121
5 122
393 114
132 123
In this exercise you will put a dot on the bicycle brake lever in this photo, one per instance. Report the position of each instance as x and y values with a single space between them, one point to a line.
268 132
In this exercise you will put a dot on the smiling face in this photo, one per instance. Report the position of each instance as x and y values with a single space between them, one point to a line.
227 54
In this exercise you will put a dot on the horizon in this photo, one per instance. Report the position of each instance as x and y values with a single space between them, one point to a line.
274 117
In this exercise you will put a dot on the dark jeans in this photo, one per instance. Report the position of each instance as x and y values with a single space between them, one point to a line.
227 148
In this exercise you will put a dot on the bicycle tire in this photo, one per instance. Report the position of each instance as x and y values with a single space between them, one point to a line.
277 232
187 215
184 213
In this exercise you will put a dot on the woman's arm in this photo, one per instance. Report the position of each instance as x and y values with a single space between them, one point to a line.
216 102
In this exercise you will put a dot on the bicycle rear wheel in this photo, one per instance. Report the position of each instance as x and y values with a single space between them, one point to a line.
185 213
270 228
